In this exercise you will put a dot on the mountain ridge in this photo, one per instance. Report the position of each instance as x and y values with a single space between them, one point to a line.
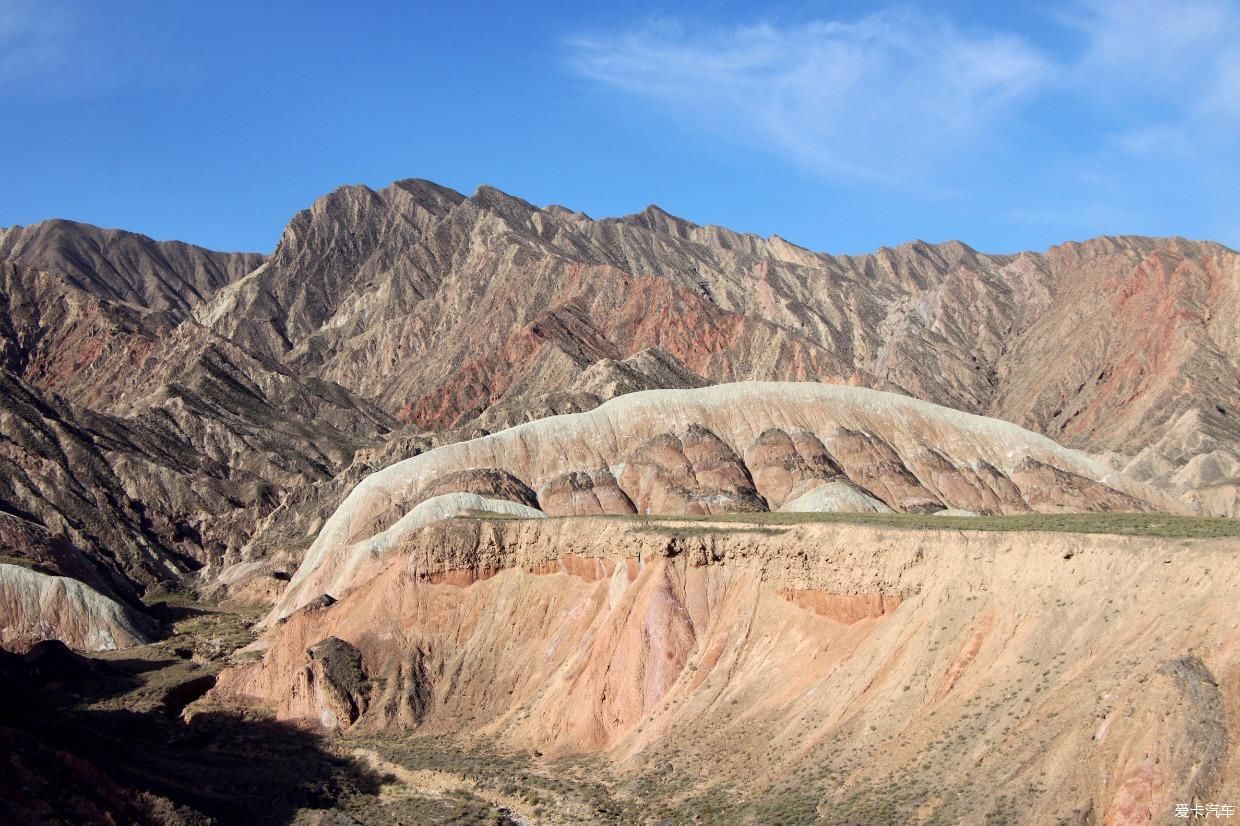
234 399
523 480
724 296
120 265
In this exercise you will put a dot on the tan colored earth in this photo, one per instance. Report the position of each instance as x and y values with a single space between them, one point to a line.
480 464
680 452
937 676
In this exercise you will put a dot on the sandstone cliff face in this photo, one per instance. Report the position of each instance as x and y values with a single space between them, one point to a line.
1088 678
680 452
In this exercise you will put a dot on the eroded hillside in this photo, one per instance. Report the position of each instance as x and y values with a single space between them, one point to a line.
451 310
839 672
749 447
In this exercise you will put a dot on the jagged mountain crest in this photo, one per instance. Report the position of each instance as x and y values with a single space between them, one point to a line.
238 397
125 267
413 294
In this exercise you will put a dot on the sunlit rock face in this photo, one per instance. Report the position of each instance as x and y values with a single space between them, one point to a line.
723 449
452 310
36 606
764 655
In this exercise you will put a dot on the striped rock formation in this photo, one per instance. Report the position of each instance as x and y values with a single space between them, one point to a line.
723 449
905 675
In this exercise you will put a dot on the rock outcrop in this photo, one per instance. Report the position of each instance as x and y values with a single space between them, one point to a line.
36 606
337 681
451 310
680 452
935 672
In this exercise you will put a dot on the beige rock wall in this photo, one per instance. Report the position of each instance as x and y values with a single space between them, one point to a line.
1082 677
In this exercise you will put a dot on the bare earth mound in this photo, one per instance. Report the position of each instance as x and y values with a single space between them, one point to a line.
729 448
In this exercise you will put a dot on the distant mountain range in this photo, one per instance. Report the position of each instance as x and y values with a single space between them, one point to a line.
168 408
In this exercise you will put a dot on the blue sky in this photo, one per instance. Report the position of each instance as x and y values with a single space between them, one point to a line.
840 126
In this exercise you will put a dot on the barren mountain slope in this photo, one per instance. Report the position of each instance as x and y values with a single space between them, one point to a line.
38 606
158 495
123 266
121 360
170 415
281 536
442 307
70 471
226 411
153 446
51 589
1141 356
723 449
842 672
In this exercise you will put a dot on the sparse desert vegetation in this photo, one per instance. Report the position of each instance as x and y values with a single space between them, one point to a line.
1168 526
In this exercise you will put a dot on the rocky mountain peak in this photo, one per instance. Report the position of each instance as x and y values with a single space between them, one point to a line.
655 218
122 266
514 210
423 194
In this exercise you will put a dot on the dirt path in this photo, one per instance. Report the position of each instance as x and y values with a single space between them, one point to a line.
438 783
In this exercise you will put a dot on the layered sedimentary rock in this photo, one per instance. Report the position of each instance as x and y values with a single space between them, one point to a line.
450 310
135 434
1084 678
680 452
36 606
176 378
169 409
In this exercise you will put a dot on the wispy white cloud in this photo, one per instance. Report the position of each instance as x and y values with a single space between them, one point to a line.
1165 79
1158 140
1174 59
880 98
1157 47
1228 93
67 48
1123 116
887 96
